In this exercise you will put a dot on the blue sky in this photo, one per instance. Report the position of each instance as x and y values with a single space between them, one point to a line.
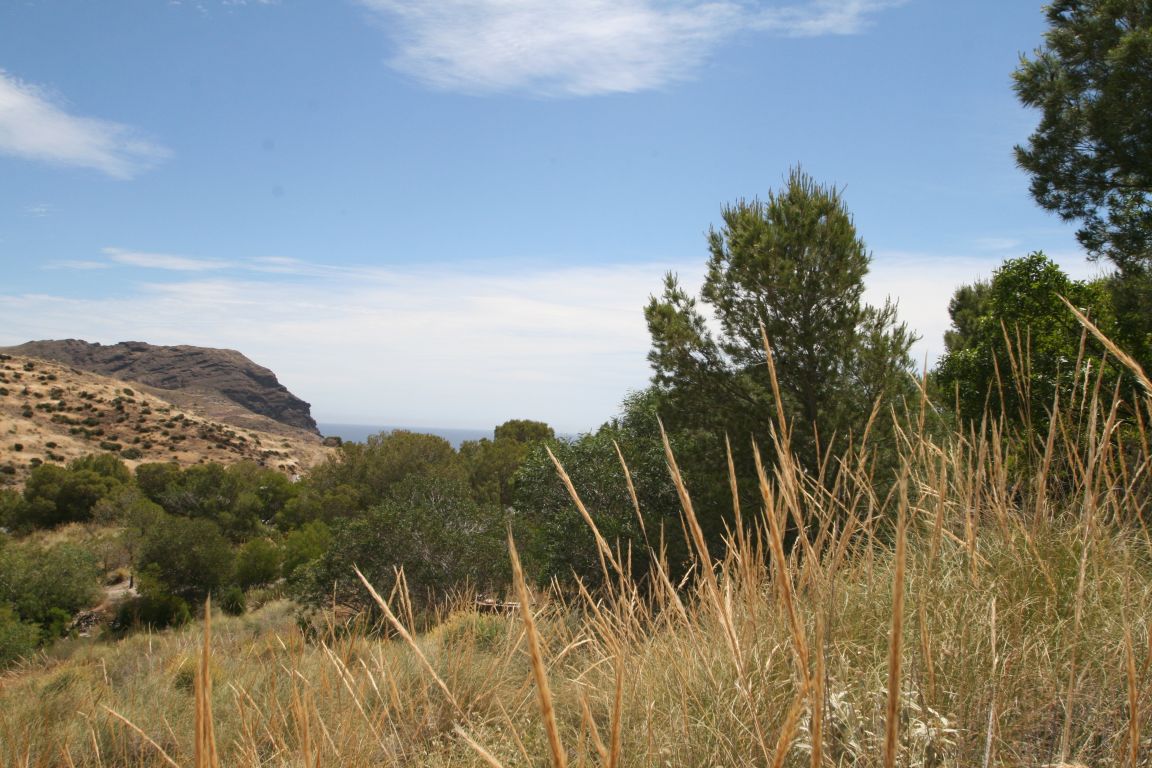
451 212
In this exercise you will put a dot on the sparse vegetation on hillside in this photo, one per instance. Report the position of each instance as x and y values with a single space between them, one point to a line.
52 414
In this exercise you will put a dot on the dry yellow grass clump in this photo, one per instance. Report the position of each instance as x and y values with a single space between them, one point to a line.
961 617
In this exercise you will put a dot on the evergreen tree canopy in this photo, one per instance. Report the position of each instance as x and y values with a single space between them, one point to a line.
1091 156
794 264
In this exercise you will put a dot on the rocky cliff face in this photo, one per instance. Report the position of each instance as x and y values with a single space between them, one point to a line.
201 373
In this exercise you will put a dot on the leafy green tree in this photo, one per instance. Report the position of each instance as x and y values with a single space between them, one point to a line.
11 508
202 490
304 545
241 498
134 514
189 556
524 431
154 479
47 585
327 499
794 264
1014 344
967 308
1091 156
259 495
55 495
257 563
492 464
104 464
18 638
427 525
363 473
548 525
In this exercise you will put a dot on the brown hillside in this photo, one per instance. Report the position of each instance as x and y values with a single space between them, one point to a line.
51 412
221 384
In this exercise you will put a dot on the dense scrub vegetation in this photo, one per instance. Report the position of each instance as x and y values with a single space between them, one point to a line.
176 536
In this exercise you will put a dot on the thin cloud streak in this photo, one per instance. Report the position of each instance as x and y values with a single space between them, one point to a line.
32 126
589 47
821 17
164 261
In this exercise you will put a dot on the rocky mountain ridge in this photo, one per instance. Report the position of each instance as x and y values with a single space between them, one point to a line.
220 383
52 413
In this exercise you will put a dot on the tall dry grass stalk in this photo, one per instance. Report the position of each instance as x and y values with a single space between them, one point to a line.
205 754
896 648
539 669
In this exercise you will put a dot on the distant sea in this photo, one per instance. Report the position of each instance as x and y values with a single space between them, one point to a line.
358 433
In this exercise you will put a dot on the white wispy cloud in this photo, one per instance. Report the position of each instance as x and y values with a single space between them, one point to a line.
165 261
587 47
820 17
80 264
34 126
998 244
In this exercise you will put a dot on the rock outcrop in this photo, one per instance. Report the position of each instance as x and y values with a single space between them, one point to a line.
202 376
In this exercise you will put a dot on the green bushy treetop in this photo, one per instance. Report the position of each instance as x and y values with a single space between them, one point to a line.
1014 344
794 264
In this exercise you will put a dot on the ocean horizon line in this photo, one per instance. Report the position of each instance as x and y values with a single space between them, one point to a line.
359 433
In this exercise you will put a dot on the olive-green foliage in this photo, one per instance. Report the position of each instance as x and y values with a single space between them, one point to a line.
156 610
257 563
1014 344
429 526
492 464
54 495
45 586
303 545
795 265
190 557
104 464
11 506
1090 158
232 601
18 638
240 498
363 473
552 530
524 431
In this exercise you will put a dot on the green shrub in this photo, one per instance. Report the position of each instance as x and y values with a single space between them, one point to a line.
232 601
156 611
17 638
257 563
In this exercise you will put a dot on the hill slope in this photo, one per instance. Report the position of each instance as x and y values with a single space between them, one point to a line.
50 412
220 383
